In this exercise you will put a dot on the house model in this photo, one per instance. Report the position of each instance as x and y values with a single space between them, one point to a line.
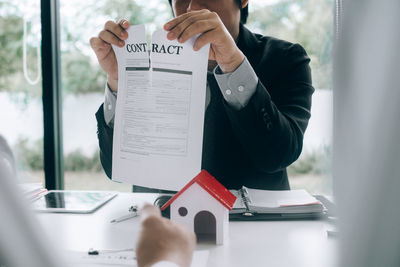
203 205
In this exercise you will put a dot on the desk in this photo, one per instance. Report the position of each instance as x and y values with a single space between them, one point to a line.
260 243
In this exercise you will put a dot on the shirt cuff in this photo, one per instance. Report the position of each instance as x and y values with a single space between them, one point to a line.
165 264
109 106
239 86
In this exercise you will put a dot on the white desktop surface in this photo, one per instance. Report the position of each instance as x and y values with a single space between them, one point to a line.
258 243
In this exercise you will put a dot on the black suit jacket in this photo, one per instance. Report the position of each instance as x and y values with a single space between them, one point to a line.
252 146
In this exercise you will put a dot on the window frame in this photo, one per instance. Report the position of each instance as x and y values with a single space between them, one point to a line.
52 95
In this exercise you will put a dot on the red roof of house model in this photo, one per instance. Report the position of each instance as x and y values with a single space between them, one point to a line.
212 186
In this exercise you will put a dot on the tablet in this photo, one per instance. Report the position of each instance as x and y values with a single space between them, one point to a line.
65 201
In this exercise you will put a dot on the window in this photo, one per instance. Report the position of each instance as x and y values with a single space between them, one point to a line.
310 23
83 82
183 211
21 114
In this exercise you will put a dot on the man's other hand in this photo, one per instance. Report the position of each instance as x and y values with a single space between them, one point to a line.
163 240
212 30
113 33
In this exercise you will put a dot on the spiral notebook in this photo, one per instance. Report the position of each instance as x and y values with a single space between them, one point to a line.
255 204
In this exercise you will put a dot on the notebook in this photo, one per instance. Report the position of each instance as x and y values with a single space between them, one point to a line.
253 204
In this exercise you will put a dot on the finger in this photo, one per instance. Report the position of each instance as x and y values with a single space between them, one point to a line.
110 38
172 23
211 54
181 27
149 210
97 44
203 39
200 26
116 29
123 23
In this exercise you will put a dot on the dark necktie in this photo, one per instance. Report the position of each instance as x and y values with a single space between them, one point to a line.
210 124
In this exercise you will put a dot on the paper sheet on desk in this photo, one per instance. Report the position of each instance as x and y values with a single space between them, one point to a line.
82 259
159 119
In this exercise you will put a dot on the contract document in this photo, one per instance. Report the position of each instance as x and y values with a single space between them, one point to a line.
159 116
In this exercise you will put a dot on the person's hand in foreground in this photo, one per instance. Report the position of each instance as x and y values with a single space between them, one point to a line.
113 33
163 240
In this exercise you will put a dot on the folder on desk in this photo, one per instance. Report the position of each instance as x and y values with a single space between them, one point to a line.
255 204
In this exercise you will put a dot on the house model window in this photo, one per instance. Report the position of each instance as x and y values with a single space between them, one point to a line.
183 211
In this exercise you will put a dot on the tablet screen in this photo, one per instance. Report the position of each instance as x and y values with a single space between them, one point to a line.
72 201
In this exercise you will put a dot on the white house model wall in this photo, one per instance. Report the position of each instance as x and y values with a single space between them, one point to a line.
195 199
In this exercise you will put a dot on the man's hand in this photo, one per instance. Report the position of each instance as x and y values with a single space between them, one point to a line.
213 31
162 240
113 33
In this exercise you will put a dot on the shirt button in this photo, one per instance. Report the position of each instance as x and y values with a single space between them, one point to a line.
228 92
109 106
241 88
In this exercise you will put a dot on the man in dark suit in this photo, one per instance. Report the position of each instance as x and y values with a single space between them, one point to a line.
258 93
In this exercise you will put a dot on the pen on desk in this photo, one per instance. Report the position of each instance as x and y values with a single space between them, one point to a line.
133 212
98 251
125 217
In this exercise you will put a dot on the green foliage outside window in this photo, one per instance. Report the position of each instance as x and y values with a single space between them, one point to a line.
308 22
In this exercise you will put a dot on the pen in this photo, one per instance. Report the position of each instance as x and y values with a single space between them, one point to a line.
125 217
98 251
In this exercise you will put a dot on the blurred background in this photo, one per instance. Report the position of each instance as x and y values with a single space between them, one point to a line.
308 22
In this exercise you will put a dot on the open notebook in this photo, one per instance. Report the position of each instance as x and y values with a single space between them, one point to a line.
285 204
